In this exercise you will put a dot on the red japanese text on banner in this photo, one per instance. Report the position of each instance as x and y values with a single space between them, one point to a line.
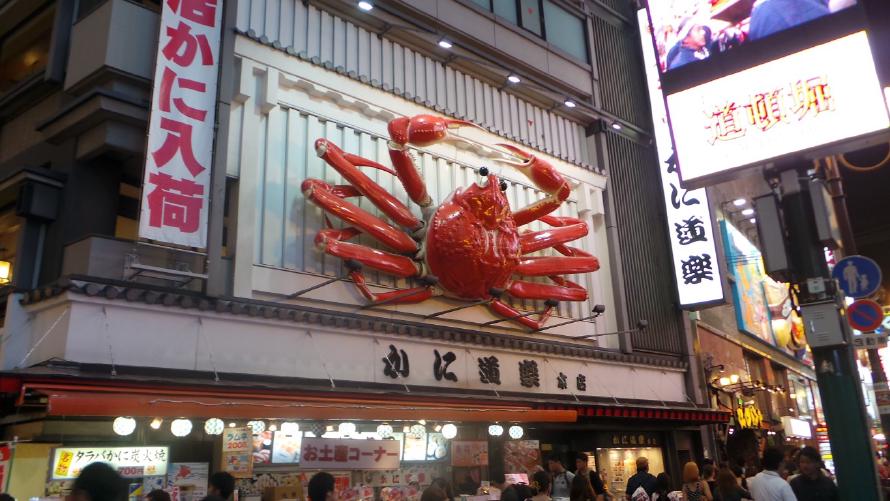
350 454
180 135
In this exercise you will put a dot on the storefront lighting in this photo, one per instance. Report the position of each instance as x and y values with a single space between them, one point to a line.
515 432
724 381
384 430
406 429
290 428
257 427
422 422
365 6
569 103
346 429
437 428
445 43
273 427
734 378
616 126
214 426
5 268
449 431
309 434
329 428
156 423
495 430
418 430
514 79
232 425
747 212
180 427
123 425
753 220
739 202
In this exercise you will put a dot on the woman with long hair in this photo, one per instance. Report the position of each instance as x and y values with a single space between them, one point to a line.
541 486
728 488
694 489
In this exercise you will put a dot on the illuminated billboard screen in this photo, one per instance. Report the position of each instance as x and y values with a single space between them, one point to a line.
818 96
687 31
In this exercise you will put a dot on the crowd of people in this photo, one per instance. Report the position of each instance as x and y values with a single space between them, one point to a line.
799 477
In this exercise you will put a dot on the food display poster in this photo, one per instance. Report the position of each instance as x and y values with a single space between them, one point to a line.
190 480
521 456
469 453
131 462
237 452
422 474
286 447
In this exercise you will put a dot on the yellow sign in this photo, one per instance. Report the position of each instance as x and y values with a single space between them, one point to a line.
749 417
64 463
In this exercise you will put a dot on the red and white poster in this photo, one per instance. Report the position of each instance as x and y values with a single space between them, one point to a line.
347 454
5 459
179 153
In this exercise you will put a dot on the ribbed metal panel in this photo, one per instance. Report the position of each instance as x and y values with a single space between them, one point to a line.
643 244
330 41
286 225
619 62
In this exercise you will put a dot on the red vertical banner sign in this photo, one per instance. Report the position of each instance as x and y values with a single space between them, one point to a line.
179 153
5 460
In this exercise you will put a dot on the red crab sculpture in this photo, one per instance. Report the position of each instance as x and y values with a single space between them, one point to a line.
469 245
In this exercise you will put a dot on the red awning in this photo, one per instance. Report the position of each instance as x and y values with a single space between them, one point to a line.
688 416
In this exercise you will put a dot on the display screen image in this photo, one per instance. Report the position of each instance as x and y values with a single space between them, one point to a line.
687 31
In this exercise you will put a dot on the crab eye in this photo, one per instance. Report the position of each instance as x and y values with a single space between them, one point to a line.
503 185
483 171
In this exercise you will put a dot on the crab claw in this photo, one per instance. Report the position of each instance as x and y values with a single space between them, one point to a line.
423 130
540 172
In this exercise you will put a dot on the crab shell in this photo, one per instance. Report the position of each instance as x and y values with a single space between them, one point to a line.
472 243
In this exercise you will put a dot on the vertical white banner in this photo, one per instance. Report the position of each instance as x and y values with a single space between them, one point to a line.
176 185
693 244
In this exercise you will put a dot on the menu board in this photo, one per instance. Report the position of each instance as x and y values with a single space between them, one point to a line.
286 447
189 479
521 456
130 461
469 453
237 452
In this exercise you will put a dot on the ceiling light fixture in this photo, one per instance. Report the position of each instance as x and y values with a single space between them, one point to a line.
738 202
747 212
513 79
616 126
445 43
569 103
365 5
156 423
123 425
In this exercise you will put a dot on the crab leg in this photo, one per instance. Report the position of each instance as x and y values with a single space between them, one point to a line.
537 240
402 296
509 312
546 266
346 164
533 290
323 195
545 177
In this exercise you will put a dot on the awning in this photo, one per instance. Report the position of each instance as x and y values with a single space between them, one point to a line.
687 416
79 400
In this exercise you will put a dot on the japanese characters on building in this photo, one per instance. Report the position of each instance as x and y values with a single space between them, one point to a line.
349 454
69 461
693 245
176 182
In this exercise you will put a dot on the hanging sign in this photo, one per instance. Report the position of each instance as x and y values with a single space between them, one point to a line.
176 185
237 452
147 461
348 454
469 453
6 449
749 416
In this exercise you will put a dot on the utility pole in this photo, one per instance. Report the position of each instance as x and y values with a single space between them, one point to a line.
829 337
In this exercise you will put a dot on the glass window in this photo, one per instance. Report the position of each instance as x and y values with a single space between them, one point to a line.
485 4
565 30
26 51
10 229
531 15
506 9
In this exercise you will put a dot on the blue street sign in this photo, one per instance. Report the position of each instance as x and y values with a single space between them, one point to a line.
858 276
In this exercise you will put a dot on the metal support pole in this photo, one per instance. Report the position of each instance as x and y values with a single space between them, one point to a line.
836 372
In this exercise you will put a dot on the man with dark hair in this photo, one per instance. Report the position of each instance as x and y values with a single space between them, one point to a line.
768 485
321 487
812 484
562 478
6 497
156 495
586 485
99 482
709 475
221 486
642 479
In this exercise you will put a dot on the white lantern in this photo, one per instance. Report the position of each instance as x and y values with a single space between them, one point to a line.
290 428
418 430
495 430
515 432
180 427
257 427
384 430
346 429
214 426
449 431
123 425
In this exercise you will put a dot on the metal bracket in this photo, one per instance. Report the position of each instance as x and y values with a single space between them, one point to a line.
180 276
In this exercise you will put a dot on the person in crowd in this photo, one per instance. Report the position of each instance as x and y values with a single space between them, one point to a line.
6 497
321 487
642 479
541 484
433 493
220 486
772 16
155 495
446 487
99 482
739 473
517 492
562 478
768 485
709 475
812 484
694 489
587 484
727 487
495 487
607 493
693 41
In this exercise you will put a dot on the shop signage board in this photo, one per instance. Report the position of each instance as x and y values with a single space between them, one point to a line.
865 315
869 340
189 479
690 229
858 276
794 427
176 182
347 454
469 453
749 416
6 449
237 452
882 397
147 461
521 456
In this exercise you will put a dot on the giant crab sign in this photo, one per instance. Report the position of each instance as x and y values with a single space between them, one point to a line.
469 246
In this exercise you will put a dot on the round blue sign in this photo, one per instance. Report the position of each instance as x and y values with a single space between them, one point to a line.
858 276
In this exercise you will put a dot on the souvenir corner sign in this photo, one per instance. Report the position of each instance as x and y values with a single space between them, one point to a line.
179 151
347 454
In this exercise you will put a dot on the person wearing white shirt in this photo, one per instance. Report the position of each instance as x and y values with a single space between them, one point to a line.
768 485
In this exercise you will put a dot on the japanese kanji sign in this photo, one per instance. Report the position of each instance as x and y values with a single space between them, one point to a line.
181 129
237 449
346 454
811 98
69 461
693 245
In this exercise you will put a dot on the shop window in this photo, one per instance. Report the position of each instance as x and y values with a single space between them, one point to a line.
565 30
531 15
506 9
25 52
127 224
10 228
